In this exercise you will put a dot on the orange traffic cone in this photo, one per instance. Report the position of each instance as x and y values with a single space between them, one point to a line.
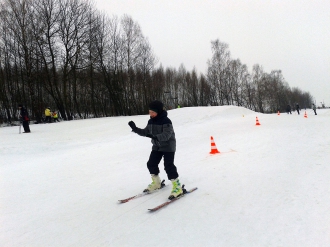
214 149
257 121
278 113
305 116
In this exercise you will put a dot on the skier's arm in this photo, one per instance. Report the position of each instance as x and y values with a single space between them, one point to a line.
141 132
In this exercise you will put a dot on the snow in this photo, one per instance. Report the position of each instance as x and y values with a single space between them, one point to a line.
269 186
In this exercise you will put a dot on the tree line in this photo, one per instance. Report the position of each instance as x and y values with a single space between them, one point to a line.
67 55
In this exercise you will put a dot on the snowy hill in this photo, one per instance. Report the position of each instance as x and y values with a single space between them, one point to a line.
269 186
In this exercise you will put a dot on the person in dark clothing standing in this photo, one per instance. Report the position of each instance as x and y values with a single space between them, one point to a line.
24 118
288 109
314 109
298 108
161 132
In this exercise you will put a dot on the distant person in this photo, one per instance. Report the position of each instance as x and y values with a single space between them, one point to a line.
314 109
298 108
55 116
179 106
48 115
24 118
161 132
288 109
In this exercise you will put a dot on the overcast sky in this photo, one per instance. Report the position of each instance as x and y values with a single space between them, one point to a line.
288 35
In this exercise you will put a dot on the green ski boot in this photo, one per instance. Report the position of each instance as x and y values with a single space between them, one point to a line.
176 190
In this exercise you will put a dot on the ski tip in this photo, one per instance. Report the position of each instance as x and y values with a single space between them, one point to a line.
125 200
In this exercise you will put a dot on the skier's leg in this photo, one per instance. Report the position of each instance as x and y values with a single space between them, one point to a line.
152 165
172 175
170 168
153 162
26 126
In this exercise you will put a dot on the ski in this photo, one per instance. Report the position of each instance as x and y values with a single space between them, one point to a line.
173 200
142 194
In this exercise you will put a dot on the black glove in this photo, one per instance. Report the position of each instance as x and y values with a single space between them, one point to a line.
152 136
132 125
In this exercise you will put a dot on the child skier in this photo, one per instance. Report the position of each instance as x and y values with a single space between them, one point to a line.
161 132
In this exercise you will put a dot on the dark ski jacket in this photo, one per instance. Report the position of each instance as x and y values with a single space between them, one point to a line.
24 114
161 127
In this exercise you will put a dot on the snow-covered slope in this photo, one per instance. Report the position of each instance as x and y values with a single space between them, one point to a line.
269 186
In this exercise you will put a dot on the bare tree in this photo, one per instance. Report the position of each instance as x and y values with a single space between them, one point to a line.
16 21
218 71
73 32
45 21
258 83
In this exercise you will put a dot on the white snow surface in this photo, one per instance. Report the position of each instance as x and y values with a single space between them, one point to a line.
269 186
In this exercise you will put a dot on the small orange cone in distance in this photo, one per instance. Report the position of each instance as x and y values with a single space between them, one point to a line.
305 116
257 121
214 149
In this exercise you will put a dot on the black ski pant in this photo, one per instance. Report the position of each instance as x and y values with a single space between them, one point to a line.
26 126
170 168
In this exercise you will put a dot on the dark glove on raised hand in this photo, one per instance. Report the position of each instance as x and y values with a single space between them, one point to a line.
132 125
152 136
